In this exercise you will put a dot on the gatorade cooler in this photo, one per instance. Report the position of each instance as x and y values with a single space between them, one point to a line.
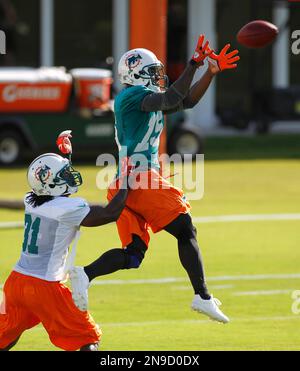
34 90
92 87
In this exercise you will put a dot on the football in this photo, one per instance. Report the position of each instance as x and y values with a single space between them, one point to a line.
257 34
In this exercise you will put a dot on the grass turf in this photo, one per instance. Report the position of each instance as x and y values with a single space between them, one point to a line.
157 316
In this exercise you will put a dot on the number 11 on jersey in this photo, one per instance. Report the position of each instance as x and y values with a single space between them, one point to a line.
33 227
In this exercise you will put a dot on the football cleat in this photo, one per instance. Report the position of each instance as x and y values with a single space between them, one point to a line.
80 284
210 308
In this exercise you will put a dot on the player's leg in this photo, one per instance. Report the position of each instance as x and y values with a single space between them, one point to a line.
90 348
15 318
111 261
189 253
134 235
68 328
116 259
11 345
165 207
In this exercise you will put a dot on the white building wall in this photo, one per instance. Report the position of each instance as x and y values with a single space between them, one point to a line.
281 47
47 33
120 34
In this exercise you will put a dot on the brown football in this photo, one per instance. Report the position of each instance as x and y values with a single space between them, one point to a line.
257 34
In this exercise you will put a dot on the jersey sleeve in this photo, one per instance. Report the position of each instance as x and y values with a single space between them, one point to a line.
75 211
133 98
25 201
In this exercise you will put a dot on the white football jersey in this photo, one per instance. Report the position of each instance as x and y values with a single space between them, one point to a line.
49 231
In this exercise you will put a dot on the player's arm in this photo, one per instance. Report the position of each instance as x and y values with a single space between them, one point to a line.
198 90
100 215
180 88
216 64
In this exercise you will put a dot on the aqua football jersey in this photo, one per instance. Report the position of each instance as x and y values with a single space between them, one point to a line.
137 132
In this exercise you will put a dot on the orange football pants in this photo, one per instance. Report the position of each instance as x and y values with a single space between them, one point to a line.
152 206
30 301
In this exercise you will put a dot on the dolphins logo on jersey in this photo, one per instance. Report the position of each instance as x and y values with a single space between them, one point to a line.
133 60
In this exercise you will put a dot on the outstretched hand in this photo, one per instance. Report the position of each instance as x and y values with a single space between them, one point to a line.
63 142
201 51
223 61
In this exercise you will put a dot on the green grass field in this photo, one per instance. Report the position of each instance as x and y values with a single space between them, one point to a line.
157 315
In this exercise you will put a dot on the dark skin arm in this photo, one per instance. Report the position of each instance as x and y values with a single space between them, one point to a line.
198 90
216 65
174 95
100 215
180 95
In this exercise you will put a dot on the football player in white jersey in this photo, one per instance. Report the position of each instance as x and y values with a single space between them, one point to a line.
34 292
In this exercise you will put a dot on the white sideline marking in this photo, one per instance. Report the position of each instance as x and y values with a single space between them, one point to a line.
263 292
204 219
186 322
255 277
11 225
214 287
244 218
150 281
197 321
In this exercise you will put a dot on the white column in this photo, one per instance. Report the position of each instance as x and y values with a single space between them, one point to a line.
2 42
202 19
47 33
120 34
281 47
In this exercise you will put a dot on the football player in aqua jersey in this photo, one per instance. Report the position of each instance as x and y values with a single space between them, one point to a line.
34 293
139 115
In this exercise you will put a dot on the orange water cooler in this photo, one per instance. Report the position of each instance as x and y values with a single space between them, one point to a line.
92 87
45 89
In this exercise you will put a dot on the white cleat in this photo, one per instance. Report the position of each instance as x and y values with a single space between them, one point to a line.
210 308
80 284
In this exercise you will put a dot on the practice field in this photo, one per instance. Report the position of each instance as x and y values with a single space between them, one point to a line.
252 265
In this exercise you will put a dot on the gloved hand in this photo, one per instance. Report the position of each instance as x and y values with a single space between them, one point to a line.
63 142
201 51
225 61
